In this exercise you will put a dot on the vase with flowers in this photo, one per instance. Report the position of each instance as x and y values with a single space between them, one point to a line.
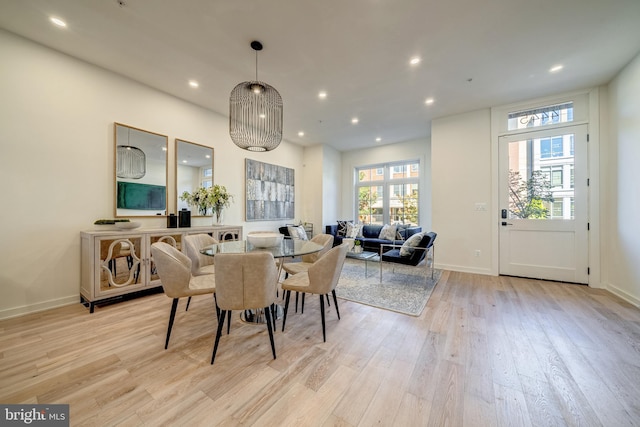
211 199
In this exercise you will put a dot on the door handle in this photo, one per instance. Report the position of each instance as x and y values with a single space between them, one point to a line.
505 223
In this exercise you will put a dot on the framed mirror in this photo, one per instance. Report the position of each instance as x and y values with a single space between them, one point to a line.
194 169
140 172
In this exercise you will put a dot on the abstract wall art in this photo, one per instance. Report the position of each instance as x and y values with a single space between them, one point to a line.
270 191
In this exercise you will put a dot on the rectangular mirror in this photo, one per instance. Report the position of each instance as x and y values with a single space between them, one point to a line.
194 169
140 172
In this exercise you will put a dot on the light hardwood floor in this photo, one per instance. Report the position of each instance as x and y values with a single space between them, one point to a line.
486 351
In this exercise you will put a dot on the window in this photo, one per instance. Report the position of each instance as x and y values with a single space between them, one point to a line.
544 116
551 147
554 175
398 204
206 177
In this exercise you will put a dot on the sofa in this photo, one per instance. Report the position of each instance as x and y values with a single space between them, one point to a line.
369 236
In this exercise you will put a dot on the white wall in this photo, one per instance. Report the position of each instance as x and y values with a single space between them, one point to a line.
56 168
331 185
312 200
416 149
621 186
461 175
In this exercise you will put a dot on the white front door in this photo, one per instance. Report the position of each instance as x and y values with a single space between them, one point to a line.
543 202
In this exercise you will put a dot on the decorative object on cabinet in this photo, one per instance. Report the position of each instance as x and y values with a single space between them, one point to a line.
184 219
117 264
172 221
194 169
146 195
270 191
255 113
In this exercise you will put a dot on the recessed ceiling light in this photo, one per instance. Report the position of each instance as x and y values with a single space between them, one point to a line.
59 22
354 120
556 68
193 83
322 95
301 134
378 139
429 101
415 60
208 156
184 161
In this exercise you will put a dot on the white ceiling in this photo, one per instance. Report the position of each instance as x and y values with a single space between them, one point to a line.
475 53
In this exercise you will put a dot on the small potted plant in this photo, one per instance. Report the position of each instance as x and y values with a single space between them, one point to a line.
357 247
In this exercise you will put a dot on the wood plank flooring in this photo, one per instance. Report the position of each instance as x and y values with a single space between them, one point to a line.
487 351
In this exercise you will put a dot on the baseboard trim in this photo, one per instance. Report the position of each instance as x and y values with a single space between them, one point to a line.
624 295
463 269
41 306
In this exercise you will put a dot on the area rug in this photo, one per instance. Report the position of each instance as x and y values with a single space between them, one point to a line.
403 289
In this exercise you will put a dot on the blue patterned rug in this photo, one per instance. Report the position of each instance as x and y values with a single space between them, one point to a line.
404 289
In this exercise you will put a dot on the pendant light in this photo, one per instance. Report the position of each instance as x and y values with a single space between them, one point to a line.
255 113
131 161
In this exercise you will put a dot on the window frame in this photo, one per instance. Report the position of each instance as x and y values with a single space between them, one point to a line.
410 171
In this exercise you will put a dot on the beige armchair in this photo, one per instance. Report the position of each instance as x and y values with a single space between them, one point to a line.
326 240
174 270
245 281
321 278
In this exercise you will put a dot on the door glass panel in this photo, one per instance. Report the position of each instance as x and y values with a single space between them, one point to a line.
541 178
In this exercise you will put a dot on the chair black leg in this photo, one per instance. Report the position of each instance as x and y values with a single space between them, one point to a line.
286 308
270 329
297 295
273 313
228 322
324 336
188 302
335 301
302 308
218 333
172 316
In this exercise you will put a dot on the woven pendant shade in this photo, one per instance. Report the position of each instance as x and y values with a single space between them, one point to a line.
131 162
255 113
255 119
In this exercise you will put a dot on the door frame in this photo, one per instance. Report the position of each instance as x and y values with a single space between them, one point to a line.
591 117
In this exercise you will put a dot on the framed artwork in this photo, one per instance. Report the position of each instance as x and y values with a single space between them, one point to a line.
270 191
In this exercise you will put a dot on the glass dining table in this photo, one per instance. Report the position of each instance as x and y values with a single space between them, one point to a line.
288 248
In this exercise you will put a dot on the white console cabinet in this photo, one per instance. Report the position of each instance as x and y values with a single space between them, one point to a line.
117 263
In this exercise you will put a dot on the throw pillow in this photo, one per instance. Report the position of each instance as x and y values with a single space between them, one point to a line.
400 230
388 232
354 230
342 228
297 232
410 243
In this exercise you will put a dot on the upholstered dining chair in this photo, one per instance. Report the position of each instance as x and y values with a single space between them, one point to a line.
174 270
200 264
321 278
245 281
326 240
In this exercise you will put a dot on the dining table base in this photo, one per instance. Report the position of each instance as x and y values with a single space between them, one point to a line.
257 316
